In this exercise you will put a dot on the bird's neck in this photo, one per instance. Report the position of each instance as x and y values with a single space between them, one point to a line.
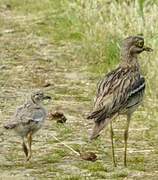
128 60
33 101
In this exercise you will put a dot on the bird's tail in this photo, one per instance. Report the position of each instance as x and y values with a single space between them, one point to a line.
9 126
98 127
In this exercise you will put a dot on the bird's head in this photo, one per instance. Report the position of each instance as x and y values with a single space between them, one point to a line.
134 45
38 96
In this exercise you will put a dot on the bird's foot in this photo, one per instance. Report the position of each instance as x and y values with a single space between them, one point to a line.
25 149
28 158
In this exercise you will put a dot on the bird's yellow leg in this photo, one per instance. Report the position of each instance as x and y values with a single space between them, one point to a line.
112 144
29 139
25 148
126 138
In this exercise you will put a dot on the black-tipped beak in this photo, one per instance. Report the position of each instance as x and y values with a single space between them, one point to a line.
148 49
47 97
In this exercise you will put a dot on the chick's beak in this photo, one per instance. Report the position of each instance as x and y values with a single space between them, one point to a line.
47 97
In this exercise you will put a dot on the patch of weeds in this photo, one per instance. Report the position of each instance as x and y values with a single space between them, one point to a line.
75 91
109 59
51 141
70 177
13 155
77 147
61 152
120 173
137 163
97 166
82 98
53 168
56 97
100 175
92 166
31 165
55 156
66 131
62 90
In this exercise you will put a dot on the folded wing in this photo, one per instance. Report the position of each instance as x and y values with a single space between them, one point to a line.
116 92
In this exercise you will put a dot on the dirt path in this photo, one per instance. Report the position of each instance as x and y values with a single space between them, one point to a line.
28 62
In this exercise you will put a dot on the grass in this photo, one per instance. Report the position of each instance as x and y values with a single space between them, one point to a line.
71 45
55 156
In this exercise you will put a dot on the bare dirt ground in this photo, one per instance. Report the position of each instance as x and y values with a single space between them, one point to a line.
29 62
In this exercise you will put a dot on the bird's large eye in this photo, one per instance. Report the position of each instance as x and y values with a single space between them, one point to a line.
140 44
39 94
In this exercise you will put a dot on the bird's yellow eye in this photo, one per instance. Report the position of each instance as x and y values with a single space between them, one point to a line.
140 44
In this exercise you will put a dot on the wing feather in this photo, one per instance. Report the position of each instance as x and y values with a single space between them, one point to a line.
114 92
29 112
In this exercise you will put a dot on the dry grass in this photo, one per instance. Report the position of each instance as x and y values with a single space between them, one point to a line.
70 44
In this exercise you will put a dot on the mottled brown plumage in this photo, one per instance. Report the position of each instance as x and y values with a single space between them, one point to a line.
120 91
28 119
58 116
88 156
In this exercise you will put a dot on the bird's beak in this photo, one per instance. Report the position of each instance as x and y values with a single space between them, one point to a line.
47 97
148 49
